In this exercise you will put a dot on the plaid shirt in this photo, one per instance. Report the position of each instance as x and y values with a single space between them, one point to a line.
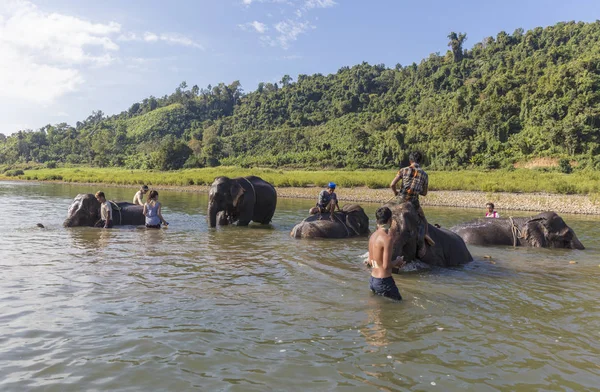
414 180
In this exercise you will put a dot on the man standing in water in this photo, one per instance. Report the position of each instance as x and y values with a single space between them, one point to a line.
381 247
414 182
105 211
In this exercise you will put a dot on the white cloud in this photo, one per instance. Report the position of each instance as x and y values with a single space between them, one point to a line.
42 53
256 25
259 27
288 30
178 39
310 4
150 37
169 38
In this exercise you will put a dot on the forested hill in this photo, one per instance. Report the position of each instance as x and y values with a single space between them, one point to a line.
509 98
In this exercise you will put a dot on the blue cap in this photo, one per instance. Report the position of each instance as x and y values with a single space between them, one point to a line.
331 185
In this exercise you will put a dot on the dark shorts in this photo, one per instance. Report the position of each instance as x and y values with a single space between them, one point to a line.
153 226
385 287
404 198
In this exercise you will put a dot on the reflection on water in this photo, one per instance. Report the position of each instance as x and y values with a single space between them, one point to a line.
252 309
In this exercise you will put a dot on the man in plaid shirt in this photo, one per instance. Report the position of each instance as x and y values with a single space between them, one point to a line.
414 182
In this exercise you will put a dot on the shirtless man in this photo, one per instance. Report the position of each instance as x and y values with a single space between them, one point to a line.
139 195
381 246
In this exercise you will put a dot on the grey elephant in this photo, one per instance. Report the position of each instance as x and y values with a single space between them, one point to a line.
241 200
351 221
85 211
546 230
449 249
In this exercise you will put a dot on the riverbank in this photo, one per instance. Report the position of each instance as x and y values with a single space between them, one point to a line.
533 202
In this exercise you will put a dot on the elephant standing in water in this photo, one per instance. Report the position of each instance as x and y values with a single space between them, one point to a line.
449 249
85 211
546 230
348 223
241 200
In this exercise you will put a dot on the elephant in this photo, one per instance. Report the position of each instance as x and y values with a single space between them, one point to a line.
85 211
242 199
546 230
351 221
449 249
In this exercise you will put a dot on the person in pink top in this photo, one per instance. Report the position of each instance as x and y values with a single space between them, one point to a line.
490 213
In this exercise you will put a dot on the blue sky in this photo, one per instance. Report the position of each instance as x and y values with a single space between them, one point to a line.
62 59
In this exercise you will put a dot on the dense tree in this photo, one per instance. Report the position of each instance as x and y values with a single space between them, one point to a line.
509 97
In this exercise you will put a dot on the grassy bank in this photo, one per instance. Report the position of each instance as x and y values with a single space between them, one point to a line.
519 180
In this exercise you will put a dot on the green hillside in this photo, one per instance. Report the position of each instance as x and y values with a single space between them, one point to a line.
507 99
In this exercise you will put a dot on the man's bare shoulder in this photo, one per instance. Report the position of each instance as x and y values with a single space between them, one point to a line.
379 237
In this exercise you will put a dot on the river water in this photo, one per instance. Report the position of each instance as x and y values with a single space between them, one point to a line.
251 309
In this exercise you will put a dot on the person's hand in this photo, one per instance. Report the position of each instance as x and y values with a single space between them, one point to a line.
166 223
399 262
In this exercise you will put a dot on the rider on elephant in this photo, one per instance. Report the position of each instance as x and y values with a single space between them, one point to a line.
327 202
414 182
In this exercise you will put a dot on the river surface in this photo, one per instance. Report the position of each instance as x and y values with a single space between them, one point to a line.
251 309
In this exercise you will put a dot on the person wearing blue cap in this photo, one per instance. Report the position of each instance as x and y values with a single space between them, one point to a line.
327 202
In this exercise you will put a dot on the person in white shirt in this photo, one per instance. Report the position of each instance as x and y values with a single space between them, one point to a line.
139 196
490 213
105 211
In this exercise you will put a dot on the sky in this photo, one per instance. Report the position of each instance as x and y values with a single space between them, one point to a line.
62 59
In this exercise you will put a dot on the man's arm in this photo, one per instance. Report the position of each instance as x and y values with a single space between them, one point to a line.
109 217
387 253
395 181
425 186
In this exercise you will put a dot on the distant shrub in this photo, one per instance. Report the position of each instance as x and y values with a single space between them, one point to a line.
566 189
564 166
14 173
51 164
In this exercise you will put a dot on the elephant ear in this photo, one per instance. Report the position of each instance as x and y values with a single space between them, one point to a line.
237 193
535 233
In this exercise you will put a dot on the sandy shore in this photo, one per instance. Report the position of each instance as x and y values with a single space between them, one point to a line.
534 202
571 204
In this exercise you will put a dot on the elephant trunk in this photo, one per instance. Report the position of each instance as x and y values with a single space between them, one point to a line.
68 222
576 244
213 209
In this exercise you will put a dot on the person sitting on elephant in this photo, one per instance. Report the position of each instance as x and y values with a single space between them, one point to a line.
327 202
105 211
152 212
381 247
414 182
138 198
490 213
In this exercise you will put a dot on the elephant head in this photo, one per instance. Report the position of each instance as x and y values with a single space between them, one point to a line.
84 211
406 226
225 194
356 219
549 230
